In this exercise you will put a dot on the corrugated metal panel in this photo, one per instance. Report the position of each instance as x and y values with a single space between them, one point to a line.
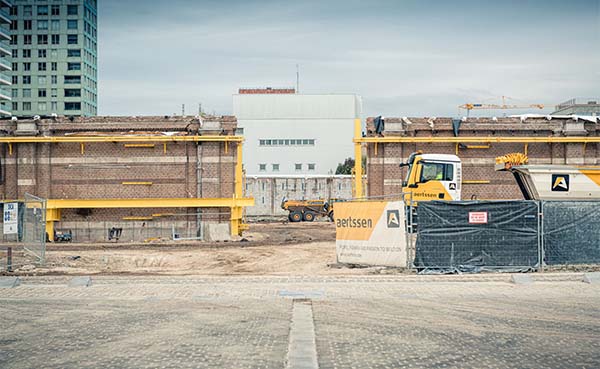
296 106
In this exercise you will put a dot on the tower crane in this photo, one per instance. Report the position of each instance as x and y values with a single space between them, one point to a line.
480 106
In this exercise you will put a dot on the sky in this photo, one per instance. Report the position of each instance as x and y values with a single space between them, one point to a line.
404 57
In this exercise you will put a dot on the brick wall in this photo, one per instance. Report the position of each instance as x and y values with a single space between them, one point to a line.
179 170
384 176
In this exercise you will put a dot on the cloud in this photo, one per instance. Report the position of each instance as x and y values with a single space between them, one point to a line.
403 57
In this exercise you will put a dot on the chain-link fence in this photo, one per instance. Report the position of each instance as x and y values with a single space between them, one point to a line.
475 236
571 232
23 232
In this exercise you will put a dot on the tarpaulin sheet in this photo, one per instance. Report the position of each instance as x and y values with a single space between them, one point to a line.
476 236
571 232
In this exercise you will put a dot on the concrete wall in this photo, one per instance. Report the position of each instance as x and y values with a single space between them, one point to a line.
326 119
63 171
268 191
385 176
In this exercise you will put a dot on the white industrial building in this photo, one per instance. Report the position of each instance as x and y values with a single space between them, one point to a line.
295 134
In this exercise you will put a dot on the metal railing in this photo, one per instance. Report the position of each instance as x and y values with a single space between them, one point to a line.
578 101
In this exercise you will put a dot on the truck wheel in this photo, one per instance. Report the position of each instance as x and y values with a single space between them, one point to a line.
295 216
309 216
331 216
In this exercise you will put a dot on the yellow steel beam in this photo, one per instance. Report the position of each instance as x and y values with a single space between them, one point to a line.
358 173
487 140
138 145
475 182
148 203
87 139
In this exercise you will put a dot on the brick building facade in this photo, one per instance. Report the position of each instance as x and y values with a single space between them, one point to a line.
480 180
117 170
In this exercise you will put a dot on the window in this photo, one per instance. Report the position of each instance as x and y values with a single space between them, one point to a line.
27 53
305 142
55 10
298 166
54 92
55 39
14 93
27 39
72 39
27 10
26 67
72 9
15 67
54 106
26 106
55 25
26 80
26 92
42 106
73 66
54 66
15 80
42 53
436 172
14 39
72 92
13 11
42 24
41 67
42 92
27 24
42 39
14 25
54 53
69 80
15 106
41 80
15 53
311 166
72 24
72 106
54 80
73 53
311 142
275 167
262 167
42 10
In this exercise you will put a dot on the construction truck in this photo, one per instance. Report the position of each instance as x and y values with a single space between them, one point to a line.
439 176
307 210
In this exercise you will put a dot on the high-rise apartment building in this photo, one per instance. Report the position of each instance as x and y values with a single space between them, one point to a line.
54 57
5 51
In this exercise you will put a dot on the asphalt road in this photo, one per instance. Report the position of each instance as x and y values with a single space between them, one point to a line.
252 322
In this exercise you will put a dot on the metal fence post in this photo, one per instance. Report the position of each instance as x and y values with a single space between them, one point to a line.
9 259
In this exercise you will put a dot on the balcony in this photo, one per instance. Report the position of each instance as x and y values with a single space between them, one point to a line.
5 79
6 3
5 48
5 64
5 16
4 33
5 94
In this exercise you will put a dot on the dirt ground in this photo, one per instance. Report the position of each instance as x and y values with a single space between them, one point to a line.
265 249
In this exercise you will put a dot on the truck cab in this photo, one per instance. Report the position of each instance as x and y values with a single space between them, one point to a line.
432 177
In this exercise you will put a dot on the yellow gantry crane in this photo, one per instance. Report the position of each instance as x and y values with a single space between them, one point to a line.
480 106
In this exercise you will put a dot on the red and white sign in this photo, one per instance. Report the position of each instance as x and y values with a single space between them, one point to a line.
478 217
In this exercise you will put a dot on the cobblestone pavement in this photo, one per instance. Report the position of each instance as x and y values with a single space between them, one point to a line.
359 322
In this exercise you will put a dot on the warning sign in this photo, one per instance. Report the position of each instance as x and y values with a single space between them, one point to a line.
478 217
371 233
11 218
